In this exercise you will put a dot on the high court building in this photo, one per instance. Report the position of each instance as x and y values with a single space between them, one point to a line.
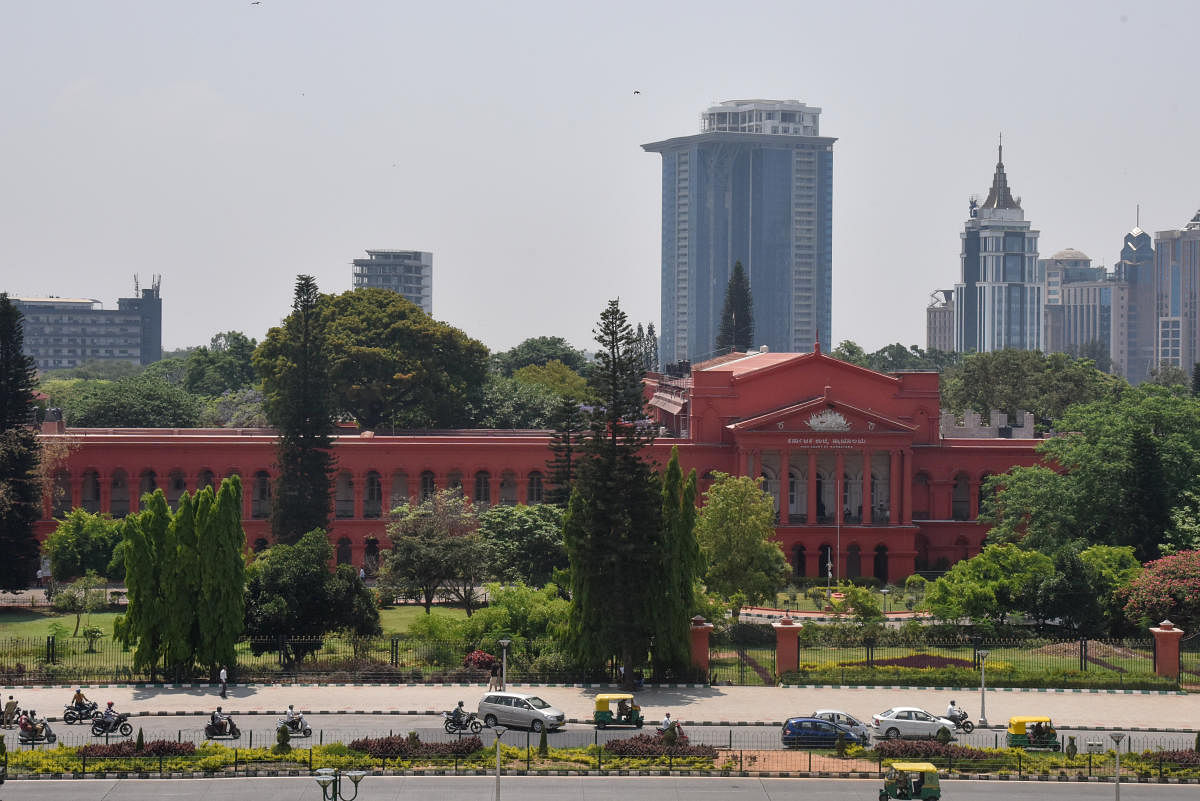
869 477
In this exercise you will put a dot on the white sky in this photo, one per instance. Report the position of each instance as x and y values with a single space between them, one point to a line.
230 146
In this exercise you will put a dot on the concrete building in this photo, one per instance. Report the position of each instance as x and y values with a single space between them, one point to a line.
1078 316
1177 279
1135 324
409 272
998 299
939 321
755 186
61 333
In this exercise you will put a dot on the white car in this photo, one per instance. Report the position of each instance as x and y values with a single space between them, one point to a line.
842 719
909 721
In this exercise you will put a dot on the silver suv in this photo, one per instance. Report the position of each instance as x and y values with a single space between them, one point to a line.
519 709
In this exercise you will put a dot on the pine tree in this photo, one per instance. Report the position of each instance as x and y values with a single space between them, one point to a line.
20 488
736 332
223 578
294 363
1196 380
681 568
184 589
611 527
652 347
570 422
149 548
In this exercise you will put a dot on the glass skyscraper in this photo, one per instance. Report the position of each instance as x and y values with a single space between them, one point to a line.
755 186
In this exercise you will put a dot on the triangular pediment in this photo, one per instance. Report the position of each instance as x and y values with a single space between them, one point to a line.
822 415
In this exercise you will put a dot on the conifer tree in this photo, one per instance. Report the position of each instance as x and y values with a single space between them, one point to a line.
570 422
652 347
611 528
682 566
294 364
20 488
223 578
149 549
184 588
736 332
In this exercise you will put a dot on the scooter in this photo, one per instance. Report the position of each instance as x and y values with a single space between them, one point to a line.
73 714
214 731
31 737
960 721
297 727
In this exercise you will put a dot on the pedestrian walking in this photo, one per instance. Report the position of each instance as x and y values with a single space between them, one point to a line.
41 576
224 682
494 681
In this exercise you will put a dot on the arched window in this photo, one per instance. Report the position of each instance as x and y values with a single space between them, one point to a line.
962 497
984 493
399 496
260 499
176 486
921 561
344 552
260 545
428 487
508 488
535 493
371 556
798 561
148 483
91 492
920 500
61 504
881 563
373 497
454 481
118 501
343 496
206 479
853 561
483 488
798 496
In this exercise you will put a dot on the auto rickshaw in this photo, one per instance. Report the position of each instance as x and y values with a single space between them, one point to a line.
617 709
1032 732
911 780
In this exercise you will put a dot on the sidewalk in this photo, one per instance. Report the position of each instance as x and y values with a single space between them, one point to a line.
698 704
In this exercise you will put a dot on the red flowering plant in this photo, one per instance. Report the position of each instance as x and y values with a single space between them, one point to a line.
1168 589
479 660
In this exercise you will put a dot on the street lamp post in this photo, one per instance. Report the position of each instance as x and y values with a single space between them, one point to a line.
983 655
330 780
504 643
1117 778
884 592
499 730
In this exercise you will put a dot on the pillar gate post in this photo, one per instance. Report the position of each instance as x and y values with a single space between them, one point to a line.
1166 649
787 647
700 631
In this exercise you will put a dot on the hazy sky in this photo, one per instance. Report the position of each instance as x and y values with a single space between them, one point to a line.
230 146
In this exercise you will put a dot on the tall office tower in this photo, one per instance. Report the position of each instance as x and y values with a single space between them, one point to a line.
1073 325
755 186
409 272
998 301
939 321
68 332
1133 354
1177 271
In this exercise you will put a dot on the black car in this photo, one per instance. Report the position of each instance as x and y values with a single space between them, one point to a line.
815 733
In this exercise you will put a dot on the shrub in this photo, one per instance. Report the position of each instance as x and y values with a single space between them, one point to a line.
128 748
480 660
944 736
926 749
646 745
283 740
409 747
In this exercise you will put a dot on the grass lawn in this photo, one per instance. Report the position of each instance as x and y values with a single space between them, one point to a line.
397 619
15 622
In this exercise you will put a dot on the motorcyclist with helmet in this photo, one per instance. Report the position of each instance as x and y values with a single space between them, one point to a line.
29 723
110 713
221 721
79 700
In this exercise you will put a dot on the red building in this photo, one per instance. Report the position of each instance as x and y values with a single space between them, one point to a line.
812 426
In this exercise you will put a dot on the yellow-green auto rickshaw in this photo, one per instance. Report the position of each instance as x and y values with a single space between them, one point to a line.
911 780
617 709
1032 731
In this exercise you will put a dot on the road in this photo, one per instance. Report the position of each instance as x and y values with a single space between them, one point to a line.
585 788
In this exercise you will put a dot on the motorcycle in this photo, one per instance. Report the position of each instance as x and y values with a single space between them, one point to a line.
959 719
680 737
213 731
120 724
296 726
31 737
470 721
73 714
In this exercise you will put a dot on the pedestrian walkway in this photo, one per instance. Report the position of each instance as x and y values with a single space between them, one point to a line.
696 704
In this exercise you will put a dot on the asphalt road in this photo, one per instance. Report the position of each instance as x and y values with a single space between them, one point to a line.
585 788
259 730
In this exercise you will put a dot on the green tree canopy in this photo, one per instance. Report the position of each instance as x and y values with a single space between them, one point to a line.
539 351
526 542
682 566
139 401
83 542
897 357
991 586
555 377
429 540
392 364
226 365
736 329
736 530
20 484
1168 589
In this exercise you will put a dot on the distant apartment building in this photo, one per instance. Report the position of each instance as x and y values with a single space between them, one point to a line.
61 333
998 299
409 272
1177 279
1078 311
939 321
755 186
1134 338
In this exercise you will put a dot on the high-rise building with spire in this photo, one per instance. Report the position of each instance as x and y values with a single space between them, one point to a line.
998 299
755 186
1177 269
1133 354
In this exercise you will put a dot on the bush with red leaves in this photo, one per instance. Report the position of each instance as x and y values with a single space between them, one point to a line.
926 749
410 747
127 748
917 661
480 660
645 745
1187 758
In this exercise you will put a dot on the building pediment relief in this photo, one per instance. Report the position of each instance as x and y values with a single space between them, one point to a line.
820 418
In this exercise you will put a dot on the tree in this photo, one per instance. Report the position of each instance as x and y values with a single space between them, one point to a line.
1196 379
508 403
998 582
220 540
425 546
81 597
736 530
472 561
612 525
139 401
1168 375
239 408
83 542
682 567
149 550
566 446
391 363
294 364
526 542
20 488
226 365
1168 589
293 599
736 331
170 371
555 377
539 351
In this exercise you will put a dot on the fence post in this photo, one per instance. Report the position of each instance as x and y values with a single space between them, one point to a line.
1089 765
1083 654
1160 778
235 761
160 766
83 759
1018 765
310 759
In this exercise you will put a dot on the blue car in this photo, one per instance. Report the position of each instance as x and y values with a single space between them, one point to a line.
815 733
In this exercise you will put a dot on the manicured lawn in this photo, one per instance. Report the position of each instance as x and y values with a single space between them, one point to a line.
397 619
36 622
